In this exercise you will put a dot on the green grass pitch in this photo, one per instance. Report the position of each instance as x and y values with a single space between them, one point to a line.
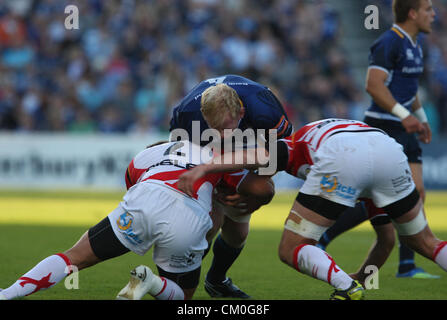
34 225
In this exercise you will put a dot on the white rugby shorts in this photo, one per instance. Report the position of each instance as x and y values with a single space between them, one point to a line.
350 165
175 225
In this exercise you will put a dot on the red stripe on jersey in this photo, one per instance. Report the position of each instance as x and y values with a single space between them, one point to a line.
133 174
175 175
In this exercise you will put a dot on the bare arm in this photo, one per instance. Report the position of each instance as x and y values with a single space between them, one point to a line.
227 162
379 252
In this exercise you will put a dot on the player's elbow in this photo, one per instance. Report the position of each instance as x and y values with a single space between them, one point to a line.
264 192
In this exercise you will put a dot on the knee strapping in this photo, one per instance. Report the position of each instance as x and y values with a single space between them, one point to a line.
411 227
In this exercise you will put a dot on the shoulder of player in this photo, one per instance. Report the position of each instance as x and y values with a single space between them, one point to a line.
391 37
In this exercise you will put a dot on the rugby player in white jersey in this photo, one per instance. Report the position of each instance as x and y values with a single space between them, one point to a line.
341 161
153 213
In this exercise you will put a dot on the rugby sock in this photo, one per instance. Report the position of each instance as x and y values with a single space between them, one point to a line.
440 255
406 258
224 257
165 289
314 262
350 218
45 274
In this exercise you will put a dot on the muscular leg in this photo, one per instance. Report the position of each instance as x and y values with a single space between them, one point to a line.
81 254
53 269
227 248
423 242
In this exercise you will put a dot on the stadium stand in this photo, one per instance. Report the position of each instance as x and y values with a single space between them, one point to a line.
130 61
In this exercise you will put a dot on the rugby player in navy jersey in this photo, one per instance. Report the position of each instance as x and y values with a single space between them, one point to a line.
395 66
229 102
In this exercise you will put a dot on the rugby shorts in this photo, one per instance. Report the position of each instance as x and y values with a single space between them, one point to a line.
350 165
153 215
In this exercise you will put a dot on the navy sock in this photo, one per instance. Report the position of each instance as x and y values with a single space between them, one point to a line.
349 219
224 257
406 259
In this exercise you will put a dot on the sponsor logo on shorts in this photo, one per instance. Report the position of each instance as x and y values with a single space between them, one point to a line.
402 182
124 223
330 184
185 260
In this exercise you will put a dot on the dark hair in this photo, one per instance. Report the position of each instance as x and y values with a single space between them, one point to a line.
401 8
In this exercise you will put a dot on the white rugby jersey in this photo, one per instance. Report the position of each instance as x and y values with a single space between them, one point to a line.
303 144
164 163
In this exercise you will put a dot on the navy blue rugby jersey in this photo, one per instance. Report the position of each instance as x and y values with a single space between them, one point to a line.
397 54
262 109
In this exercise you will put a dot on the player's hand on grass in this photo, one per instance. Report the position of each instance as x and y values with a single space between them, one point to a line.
186 180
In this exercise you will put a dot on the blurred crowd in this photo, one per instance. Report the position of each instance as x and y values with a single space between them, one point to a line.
131 61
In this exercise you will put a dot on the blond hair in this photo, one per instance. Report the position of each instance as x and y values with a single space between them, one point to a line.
215 100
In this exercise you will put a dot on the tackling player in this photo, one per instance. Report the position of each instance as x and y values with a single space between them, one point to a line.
229 102
395 66
153 213
341 161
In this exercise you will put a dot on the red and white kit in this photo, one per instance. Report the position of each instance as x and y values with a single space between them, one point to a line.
343 160
154 212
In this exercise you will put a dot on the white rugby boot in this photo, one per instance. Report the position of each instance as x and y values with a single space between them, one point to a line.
142 281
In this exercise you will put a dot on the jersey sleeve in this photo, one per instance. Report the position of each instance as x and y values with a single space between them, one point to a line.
384 53
133 174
